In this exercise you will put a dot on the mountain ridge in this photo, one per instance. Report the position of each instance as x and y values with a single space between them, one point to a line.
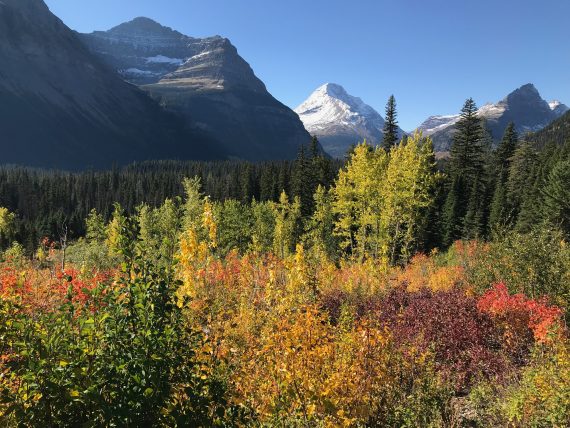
524 107
340 120
207 82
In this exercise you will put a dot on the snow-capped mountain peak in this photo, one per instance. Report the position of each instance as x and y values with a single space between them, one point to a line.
434 124
330 104
340 119
558 108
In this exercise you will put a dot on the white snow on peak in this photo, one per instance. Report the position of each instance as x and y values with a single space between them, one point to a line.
331 105
200 55
491 111
434 124
138 72
161 59
558 107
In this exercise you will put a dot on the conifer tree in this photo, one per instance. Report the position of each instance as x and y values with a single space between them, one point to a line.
303 181
473 223
506 149
522 171
390 125
465 171
500 211
556 208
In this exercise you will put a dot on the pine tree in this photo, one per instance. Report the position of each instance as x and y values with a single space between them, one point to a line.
473 223
506 149
500 211
465 172
303 181
466 151
521 176
556 208
390 125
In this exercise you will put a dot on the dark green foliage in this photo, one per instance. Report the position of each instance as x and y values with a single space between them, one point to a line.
131 361
499 212
463 211
45 201
558 132
466 151
516 187
556 208
390 130
521 172
311 169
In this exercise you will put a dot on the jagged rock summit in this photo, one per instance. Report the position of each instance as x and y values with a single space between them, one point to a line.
207 82
524 107
340 120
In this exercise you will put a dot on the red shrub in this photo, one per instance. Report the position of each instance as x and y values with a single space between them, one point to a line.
464 340
517 313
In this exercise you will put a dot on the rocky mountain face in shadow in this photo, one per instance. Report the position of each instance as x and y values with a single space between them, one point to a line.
207 82
60 106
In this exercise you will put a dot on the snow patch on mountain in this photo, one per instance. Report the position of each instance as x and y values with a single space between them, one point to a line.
136 71
558 108
491 111
434 124
161 59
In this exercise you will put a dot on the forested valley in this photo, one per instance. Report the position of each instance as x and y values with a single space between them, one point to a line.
386 289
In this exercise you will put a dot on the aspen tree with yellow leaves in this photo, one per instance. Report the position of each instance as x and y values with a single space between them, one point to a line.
381 199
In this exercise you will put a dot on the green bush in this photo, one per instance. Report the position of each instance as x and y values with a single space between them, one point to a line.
122 357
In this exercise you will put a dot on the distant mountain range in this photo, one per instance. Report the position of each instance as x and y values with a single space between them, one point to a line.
340 120
206 82
143 91
524 107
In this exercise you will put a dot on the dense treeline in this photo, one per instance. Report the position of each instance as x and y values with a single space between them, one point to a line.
48 202
317 306
483 190
557 132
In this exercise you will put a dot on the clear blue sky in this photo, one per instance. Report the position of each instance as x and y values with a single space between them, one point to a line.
431 54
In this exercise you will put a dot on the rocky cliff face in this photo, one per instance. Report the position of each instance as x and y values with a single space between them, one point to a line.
340 120
207 82
61 107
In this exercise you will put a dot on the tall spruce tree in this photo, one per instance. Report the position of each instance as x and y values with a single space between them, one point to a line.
500 211
556 207
465 172
390 125
522 173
